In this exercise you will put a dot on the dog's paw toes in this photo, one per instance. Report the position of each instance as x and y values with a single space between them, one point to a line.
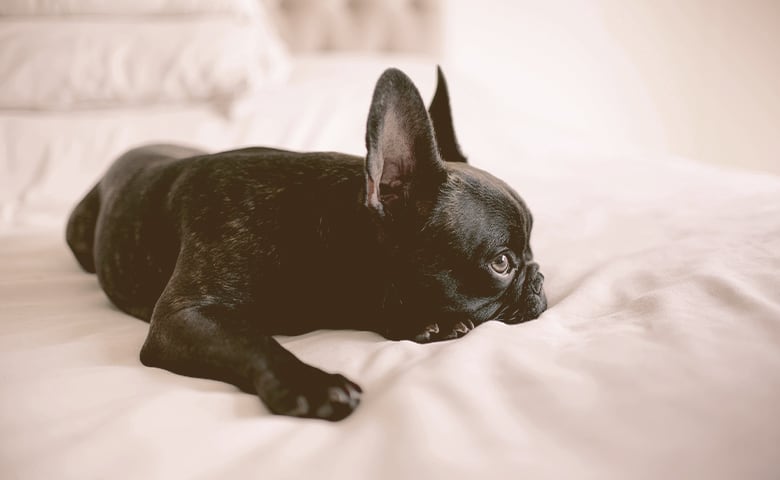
428 334
459 329
340 401
315 395
435 333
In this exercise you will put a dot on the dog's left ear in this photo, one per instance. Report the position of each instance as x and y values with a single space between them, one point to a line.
403 163
441 115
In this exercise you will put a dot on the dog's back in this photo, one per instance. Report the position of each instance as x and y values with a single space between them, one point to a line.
129 228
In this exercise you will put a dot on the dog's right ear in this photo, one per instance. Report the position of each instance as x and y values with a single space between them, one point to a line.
441 115
403 162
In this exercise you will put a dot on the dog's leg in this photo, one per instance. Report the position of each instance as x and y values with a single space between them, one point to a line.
219 343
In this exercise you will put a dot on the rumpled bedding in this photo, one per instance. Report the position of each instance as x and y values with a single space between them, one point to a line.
659 355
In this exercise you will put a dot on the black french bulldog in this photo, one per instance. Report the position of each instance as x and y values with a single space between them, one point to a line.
221 251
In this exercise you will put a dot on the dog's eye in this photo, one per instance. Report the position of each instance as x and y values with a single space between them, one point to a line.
501 264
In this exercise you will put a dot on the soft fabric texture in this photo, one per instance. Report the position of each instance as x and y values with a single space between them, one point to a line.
127 7
127 58
659 355
360 25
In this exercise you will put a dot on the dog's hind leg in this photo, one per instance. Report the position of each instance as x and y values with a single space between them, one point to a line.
223 343
80 232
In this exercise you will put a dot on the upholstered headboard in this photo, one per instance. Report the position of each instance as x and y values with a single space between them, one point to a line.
359 25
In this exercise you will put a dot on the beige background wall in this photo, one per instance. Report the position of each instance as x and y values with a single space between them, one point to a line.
699 78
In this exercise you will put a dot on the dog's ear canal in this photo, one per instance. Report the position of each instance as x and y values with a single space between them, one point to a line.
403 161
441 115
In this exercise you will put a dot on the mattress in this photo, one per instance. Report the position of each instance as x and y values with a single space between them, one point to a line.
659 355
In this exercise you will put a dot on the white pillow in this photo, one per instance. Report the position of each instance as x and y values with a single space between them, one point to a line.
87 61
126 7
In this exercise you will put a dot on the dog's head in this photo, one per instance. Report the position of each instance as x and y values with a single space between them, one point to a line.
457 237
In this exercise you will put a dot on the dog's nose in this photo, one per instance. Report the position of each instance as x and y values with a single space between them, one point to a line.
535 278
536 300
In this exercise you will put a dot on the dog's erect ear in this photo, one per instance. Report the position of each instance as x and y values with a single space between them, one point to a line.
441 115
403 160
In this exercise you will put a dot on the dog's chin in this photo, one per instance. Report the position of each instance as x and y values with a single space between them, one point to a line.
532 302
535 305
441 331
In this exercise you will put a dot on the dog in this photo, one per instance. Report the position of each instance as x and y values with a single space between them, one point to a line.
218 252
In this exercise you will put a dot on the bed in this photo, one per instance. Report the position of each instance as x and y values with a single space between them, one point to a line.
659 355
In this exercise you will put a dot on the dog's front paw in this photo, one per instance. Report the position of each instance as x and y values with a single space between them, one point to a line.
428 334
311 393
435 333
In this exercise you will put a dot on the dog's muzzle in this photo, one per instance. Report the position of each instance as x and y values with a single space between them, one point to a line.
534 299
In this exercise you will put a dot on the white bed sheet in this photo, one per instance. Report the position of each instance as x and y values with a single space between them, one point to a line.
659 356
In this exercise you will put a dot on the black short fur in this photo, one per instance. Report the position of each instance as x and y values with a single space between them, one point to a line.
221 251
